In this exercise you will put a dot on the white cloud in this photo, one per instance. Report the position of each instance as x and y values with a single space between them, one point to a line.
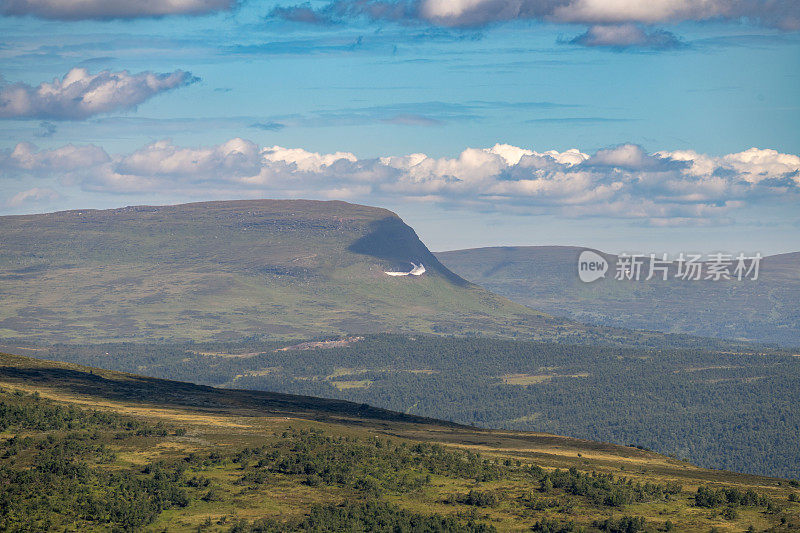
755 165
752 166
782 13
234 158
32 196
623 181
110 9
779 13
629 156
617 11
26 157
79 94
627 36
615 23
305 161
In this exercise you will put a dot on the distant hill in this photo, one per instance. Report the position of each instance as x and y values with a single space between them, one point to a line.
86 449
216 270
545 278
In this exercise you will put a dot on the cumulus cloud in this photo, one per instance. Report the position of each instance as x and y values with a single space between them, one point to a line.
110 9
32 196
624 181
79 94
161 159
783 14
26 157
622 36
614 23
628 156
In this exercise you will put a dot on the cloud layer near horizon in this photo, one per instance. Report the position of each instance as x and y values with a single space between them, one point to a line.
627 36
677 187
783 14
110 9
80 94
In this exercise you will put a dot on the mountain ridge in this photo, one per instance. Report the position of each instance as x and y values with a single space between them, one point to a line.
229 269
545 278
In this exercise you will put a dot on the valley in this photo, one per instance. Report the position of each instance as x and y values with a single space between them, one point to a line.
198 458
714 407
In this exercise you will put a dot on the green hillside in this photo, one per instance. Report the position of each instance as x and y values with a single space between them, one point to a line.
231 269
84 449
735 410
545 278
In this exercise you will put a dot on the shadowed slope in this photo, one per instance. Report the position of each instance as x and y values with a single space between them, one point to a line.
107 385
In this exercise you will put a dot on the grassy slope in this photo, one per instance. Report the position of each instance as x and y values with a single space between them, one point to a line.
228 269
545 278
723 408
224 421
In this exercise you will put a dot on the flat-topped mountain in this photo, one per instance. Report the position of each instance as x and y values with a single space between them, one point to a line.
545 278
216 270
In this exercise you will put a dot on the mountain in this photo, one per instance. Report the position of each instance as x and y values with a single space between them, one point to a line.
115 451
215 270
545 278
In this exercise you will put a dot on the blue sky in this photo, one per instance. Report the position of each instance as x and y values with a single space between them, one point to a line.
648 89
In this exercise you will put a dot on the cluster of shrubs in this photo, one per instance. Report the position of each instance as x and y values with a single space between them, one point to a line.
603 489
709 497
22 411
477 498
730 499
625 524
58 483
366 465
370 516
56 477
549 525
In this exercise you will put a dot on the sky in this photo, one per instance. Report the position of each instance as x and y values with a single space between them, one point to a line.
661 126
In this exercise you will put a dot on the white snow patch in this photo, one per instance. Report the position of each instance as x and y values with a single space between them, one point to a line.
416 270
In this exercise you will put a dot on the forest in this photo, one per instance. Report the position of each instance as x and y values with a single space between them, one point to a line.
728 409
81 452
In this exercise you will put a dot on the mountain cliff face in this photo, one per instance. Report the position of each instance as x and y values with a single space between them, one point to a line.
216 270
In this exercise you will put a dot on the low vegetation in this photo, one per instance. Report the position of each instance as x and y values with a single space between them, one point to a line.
718 408
191 459
57 471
